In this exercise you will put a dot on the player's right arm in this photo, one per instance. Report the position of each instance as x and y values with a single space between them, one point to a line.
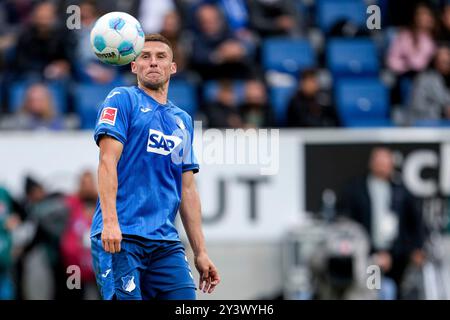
110 152
110 134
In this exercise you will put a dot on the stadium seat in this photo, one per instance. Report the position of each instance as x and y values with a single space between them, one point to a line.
362 102
369 123
406 90
352 57
279 100
87 100
432 123
17 93
331 11
287 55
183 95
210 89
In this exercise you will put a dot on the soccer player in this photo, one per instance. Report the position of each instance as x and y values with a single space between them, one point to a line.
146 174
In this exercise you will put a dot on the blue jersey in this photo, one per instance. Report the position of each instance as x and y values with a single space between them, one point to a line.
157 149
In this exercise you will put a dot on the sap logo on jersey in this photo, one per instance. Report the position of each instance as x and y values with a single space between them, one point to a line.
161 143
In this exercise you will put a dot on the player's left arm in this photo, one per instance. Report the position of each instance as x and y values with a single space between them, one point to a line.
190 212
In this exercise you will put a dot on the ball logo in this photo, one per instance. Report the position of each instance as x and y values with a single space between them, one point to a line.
161 143
108 116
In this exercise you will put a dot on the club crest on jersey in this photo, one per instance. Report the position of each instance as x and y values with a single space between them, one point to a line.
108 116
161 143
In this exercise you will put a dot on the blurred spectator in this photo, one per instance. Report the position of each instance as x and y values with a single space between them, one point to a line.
179 39
218 54
413 48
431 92
8 222
346 28
273 17
44 48
444 35
75 242
399 12
223 112
256 111
37 112
88 67
12 13
49 213
152 13
411 51
238 21
310 107
390 215
236 14
34 192
16 12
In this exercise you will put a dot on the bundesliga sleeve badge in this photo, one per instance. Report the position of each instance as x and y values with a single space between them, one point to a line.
108 116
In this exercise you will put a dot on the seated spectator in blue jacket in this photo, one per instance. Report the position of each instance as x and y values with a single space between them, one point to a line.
311 107
37 112
216 52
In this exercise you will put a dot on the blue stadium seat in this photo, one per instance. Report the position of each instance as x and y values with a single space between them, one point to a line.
211 87
183 95
369 123
287 55
279 99
17 93
406 89
88 98
362 102
432 123
352 57
331 11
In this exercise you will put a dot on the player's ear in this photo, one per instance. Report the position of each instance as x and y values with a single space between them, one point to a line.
173 68
133 67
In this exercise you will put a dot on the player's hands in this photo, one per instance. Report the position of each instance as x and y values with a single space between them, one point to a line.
111 237
209 276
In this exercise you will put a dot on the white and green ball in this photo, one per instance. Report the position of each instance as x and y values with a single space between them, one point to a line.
117 38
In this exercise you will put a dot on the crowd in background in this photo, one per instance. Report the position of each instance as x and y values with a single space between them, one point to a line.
214 41
54 224
221 42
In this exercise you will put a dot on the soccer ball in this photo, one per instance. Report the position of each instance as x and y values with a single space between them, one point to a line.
117 38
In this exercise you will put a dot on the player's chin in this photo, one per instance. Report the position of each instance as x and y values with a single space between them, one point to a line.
153 84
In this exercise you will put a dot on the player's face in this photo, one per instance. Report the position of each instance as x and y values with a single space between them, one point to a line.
154 65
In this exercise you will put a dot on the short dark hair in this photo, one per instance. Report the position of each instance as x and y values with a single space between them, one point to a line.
156 37
308 73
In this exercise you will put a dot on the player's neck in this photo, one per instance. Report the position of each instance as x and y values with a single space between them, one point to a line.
160 94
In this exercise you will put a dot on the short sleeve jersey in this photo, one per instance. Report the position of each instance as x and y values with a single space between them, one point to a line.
157 148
